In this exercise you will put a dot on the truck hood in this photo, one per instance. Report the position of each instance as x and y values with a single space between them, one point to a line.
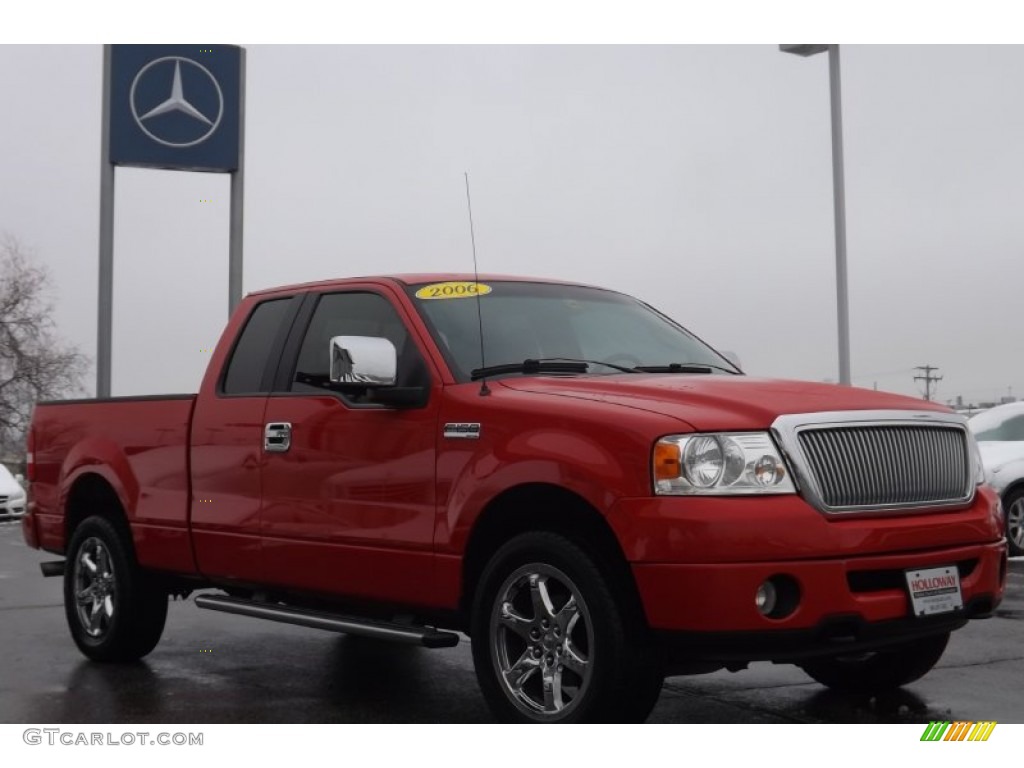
713 402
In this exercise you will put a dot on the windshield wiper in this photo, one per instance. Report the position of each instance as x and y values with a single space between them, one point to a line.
547 365
617 367
529 366
685 368
573 365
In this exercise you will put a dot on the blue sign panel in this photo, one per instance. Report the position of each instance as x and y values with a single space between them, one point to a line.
175 106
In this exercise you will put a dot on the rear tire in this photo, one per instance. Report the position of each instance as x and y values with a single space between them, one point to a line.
113 609
552 642
879 671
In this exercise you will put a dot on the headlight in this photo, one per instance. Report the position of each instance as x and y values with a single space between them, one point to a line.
980 475
719 464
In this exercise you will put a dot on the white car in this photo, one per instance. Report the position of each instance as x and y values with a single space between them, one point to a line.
1000 435
12 495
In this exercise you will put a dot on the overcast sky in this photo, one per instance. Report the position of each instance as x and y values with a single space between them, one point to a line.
697 178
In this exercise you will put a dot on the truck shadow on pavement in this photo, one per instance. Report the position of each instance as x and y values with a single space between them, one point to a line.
899 706
315 679
385 682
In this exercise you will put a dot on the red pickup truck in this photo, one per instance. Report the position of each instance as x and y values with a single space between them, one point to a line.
591 493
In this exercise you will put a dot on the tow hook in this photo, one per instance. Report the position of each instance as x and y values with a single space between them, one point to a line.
53 568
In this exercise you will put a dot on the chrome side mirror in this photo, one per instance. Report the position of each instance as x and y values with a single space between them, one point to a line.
365 360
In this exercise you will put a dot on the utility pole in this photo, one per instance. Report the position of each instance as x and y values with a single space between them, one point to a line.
927 379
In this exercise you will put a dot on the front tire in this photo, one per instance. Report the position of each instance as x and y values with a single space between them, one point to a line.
1014 506
114 611
553 643
879 671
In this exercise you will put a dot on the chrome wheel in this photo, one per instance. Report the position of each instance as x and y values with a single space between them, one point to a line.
95 587
1015 523
542 641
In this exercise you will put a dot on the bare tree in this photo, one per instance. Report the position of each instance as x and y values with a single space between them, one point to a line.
34 363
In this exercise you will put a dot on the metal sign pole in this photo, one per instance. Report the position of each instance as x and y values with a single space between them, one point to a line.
839 202
105 324
237 203
175 107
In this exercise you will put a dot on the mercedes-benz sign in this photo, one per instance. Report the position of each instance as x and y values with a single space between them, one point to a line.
180 120
176 106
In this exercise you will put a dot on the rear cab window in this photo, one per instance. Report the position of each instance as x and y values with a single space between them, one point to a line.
245 372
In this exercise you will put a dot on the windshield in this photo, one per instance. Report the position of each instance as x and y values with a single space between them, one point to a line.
999 424
539 320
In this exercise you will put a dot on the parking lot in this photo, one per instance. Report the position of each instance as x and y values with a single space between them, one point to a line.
219 668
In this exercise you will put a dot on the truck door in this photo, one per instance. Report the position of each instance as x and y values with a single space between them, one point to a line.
226 446
348 506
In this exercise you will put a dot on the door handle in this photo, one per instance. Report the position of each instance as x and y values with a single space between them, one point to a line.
277 437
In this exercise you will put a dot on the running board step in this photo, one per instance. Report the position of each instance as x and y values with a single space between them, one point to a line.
402 633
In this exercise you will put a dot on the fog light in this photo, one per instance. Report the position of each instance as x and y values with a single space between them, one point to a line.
766 598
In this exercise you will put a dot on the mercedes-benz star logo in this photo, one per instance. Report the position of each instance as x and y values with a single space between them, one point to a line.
200 123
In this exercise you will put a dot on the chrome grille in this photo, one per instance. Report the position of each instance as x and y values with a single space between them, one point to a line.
879 466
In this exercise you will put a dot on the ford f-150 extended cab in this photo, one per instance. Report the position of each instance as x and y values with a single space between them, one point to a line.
593 495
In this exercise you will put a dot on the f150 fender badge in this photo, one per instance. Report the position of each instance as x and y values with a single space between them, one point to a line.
463 430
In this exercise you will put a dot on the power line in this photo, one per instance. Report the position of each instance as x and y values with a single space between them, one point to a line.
927 379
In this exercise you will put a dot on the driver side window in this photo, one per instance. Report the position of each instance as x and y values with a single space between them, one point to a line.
353 314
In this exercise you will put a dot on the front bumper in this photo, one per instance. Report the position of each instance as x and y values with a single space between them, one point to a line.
720 598
11 509
698 564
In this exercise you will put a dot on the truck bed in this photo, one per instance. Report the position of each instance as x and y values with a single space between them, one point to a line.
140 446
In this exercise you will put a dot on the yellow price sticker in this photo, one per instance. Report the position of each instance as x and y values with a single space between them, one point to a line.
452 290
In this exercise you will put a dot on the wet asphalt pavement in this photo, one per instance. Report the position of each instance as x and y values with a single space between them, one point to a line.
213 667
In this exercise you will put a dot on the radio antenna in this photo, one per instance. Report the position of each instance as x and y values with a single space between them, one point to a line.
484 391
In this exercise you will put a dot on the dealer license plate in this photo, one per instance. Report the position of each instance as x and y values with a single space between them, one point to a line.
935 590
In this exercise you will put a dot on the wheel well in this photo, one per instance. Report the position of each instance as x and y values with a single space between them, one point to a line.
1014 487
92 495
543 507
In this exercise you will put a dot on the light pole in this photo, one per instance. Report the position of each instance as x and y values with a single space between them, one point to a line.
838 198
